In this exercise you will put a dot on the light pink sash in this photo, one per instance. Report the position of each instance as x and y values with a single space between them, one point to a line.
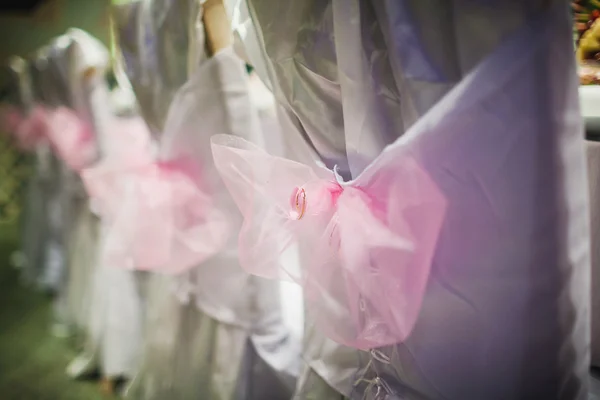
27 131
69 136
370 242
158 216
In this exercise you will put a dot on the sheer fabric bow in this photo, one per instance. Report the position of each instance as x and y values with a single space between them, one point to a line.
159 216
369 243
70 137
27 131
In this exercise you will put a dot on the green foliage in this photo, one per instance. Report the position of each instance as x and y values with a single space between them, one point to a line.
15 168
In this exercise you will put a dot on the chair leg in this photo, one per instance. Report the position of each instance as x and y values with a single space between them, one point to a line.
107 386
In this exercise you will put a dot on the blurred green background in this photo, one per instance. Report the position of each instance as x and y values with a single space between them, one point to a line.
23 34
32 360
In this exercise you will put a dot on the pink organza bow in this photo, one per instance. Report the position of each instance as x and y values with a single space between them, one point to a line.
127 148
166 222
366 246
71 138
28 130
10 119
159 216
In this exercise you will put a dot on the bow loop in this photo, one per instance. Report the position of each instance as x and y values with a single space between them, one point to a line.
265 189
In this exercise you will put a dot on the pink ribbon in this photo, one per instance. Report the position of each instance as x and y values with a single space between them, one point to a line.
68 135
71 138
10 119
27 131
367 245
159 216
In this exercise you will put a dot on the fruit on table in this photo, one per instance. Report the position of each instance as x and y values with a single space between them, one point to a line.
589 75
585 13
589 44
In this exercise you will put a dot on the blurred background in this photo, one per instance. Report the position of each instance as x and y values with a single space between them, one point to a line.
28 25
33 361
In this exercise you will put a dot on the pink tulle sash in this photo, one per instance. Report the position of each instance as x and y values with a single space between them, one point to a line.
159 216
367 245
71 138
10 119
127 147
27 131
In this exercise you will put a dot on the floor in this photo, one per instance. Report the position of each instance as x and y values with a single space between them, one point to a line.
32 361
